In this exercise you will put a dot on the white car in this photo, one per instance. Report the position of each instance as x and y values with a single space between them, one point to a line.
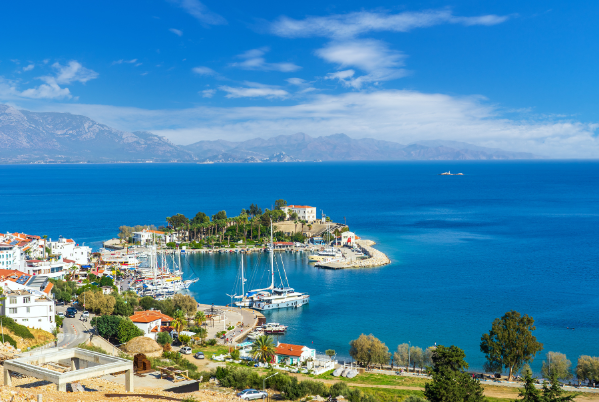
60 314
186 350
85 314
249 394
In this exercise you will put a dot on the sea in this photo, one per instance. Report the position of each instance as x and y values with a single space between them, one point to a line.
507 235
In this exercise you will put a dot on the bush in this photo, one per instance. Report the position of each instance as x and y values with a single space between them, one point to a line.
17 329
59 321
235 354
211 342
127 331
164 338
8 338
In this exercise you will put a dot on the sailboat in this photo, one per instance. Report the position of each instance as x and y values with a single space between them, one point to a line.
272 298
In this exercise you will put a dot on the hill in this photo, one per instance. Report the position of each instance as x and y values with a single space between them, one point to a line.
63 137
303 147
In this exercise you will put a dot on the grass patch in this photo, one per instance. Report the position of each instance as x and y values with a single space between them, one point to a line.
389 394
376 379
92 348
211 350
17 329
8 338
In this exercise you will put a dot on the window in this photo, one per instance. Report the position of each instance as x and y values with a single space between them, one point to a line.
26 299
25 319
12 310
29 309
13 300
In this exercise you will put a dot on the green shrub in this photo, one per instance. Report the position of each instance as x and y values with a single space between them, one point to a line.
235 354
92 348
164 338
7 338
17 329
211 342
59 321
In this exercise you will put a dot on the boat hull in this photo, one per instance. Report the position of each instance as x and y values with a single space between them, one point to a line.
262 306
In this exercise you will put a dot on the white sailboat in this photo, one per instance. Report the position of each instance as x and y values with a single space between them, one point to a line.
272 297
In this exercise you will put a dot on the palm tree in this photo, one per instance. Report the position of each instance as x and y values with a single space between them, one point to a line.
179 321
295 222
200 318
203 334
263 349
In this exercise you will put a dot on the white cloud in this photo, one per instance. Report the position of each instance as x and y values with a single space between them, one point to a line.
254 90
254 60
51 89
121 61
200 12
296 81
357 23
394 115
72 72
176 31
208 93
29 67
203 70
372 56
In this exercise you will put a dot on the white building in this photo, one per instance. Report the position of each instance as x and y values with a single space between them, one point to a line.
348 239
150 322
286 353
29 309
304 212
153 237
52 269
10 256
68 249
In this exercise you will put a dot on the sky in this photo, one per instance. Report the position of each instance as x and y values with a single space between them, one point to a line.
515 75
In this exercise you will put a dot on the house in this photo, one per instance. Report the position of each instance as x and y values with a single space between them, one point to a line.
10 256
304 212
29 309
286 353
17 280
151 322
52 269
107 290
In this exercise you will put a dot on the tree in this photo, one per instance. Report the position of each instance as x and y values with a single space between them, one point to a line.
368 349
185 303
164 338
203 334
280 203
401 355
123 309
106 281
185 339
219 216
587 369
200 318
557 364
525 370
555 393
427 357
147 302
329 352
178 221
107 326
450 380
530 393
263 349
179 322
416 357
200 218
510 343
127 331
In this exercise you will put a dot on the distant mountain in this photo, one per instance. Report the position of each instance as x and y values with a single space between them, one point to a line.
27 137
341 147
63 137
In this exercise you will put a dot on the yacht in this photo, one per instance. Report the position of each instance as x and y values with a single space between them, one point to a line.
325 254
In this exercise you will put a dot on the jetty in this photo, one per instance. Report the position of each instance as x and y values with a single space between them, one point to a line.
375 258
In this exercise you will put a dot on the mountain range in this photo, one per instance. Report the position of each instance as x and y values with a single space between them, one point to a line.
27 137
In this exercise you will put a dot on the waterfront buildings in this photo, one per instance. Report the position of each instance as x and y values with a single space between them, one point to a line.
348 238
304 212
150 322
10 256
69 250
148 236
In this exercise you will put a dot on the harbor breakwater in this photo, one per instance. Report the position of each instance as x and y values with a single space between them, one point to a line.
376 259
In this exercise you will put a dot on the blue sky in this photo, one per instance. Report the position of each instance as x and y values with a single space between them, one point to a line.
510 74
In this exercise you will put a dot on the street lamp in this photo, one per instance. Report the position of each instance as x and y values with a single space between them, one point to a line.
264 381
409 356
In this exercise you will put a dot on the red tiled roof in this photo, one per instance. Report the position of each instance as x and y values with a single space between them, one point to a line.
48 288
289 350
283 243
69 261
70 241
299 206
149 316
155 329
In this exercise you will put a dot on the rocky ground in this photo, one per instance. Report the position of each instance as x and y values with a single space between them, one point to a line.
376 257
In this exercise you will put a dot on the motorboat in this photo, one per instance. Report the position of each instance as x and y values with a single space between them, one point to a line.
325 254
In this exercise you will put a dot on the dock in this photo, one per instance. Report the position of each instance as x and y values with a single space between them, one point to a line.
375 258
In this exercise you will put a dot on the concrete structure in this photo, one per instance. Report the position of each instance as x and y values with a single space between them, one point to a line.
150 322
68 249
292 354
29 309
304 212
85 364
10 256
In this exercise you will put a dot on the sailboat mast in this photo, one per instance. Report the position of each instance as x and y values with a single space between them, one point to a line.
242 278
272 262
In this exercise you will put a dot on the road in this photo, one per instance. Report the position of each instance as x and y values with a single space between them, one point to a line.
74 330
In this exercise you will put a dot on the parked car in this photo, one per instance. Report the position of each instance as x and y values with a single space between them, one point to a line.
60 314
199 355
60 303
85 314
249 394
186 350
71 312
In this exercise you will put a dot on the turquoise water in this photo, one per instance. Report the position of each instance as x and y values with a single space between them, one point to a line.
465 249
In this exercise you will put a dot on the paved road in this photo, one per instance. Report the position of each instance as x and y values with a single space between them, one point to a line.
75 331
